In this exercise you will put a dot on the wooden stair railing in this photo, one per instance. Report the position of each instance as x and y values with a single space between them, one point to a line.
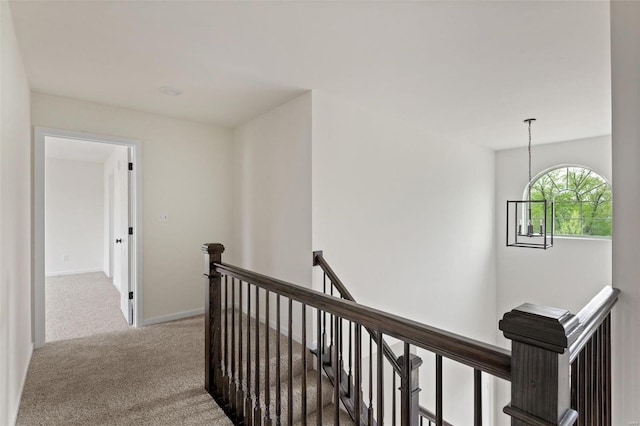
419 413
244 371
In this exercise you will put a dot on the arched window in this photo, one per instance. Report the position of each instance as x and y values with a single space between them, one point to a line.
582 200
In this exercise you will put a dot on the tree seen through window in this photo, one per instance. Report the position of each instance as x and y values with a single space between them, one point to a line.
582 201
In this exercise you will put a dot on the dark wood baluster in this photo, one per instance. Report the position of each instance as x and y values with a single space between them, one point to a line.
370 380
324 316
290 363
598 373
438 390
332 348
304 364
357 384
336 374
477 397
607 368
589 383
393 399
278 383
248 411
233 391
350 376
574 383
226 339
240 395
582 389
319 372
257 412
406 388
267 363
380 381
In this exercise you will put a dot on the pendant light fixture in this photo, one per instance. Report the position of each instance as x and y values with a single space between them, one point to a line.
530 222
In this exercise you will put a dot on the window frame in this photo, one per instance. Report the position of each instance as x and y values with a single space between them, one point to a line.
525 195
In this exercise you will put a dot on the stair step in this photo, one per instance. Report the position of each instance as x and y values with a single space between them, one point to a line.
328 414
274 339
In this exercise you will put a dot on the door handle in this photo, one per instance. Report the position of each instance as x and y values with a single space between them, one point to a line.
119 240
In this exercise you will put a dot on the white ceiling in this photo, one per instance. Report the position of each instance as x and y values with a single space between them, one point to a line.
79 150
466 71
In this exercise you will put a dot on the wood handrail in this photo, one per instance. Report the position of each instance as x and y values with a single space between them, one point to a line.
319 260
485 357
591 316
431 416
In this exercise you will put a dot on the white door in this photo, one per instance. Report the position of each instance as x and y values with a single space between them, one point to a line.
126 300
122 240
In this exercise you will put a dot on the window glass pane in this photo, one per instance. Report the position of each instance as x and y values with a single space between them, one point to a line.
582 201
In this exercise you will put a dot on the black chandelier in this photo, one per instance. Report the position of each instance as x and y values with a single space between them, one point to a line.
530 222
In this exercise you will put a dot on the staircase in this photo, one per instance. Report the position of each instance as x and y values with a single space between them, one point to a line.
262 375
291 381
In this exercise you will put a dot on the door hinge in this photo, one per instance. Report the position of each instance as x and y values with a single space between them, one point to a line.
130 231
130 166
130 295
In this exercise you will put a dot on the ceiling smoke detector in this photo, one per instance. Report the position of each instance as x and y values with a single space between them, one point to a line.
170 91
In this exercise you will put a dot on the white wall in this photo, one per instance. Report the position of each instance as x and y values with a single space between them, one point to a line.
74 210
407 222
625 73
566 276
186 172
272 156
15 221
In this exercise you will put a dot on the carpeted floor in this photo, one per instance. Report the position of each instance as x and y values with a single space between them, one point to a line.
145 376
81 305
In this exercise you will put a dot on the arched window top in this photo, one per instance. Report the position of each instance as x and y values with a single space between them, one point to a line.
582 200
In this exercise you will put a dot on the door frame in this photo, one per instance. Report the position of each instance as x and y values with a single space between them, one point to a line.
135 200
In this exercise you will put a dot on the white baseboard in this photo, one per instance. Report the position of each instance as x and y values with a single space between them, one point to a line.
73 272
14 416
173 317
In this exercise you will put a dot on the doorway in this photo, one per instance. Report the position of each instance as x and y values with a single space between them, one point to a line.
120 263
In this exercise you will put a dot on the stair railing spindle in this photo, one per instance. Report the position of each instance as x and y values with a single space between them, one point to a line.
226 368
357 385
319 372
477 397
370 379
304 364
240 394
380 381
257 412
248 402
278 385
336 375
233 390
267 393
438 390
290 363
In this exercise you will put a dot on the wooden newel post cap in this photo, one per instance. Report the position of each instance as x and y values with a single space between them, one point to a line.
415 361
548 328
213 248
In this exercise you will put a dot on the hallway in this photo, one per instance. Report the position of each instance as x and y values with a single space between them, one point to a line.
145 376
81 305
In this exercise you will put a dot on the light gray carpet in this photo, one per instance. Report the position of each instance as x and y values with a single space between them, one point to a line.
147 376
81 305
152 376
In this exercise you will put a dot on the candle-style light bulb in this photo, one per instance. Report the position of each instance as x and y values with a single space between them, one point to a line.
541 226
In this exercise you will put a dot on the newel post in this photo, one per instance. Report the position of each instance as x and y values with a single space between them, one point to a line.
540 382
410 390
213 320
